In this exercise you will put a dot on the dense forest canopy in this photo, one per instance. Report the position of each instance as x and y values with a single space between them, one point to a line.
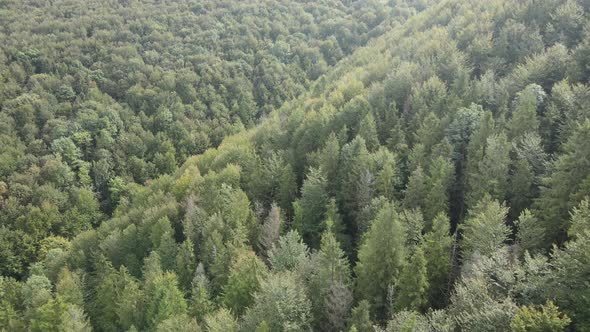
295 165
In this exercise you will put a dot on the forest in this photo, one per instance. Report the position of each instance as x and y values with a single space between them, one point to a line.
294 165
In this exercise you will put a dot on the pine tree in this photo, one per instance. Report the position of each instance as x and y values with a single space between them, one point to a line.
329 160
580 219
355 187
413 283
200 303
282 303
330 282
524 117
289 253
185 265
270 230
562 189
221 321
163 299
437 247
74 320
380 259
69 287
485 230
244 280
337 304
530 233
439 183
417 189
360 319
368 131
491 174
546 318
313 202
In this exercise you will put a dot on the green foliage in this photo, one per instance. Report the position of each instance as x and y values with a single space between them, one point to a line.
281 303
163 299
221 321
244 279
437 246
380 259
546 318
485 229
413 283
149 168
289 253
313 202
360 319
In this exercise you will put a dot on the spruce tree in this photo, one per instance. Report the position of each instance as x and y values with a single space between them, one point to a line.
380 259
412 286
437 246
485 229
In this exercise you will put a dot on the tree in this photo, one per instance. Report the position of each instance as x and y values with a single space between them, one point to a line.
200 301
413 283
524 117
439 187
356 183
313 202
221 321
270 230
185 265
368 131
530 233
178 323
163 299
417 190
360 319
331 283
485 230
282 303
437 246
491 174
48 317
244 279
289 253
570 273
580 219
69 287
546 318
561 190
329 160
74 320
380 259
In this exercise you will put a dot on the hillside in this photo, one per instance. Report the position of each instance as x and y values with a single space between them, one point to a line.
435 179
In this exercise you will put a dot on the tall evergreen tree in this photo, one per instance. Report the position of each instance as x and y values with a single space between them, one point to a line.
485 229
437 246
380 259
413 283
563 188
313 202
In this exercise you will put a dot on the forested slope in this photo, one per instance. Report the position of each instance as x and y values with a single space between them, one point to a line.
437 179
97 94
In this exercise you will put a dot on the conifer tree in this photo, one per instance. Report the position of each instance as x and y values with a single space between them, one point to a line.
313 202
360 319
485 230
380 259
163 299
413 283
270 229
368 131
437 247
530 233
244 279
562 189
200 301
